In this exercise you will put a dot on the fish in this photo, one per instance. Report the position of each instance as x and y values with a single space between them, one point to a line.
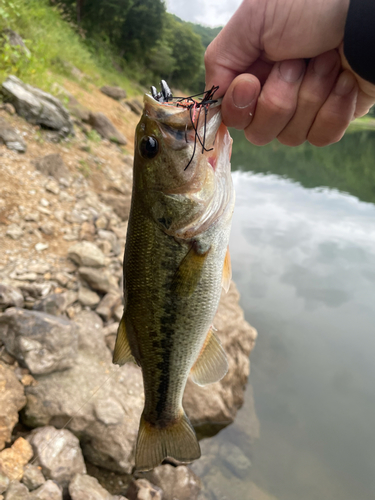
176 262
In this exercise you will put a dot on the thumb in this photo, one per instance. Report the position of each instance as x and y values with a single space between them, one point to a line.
235 49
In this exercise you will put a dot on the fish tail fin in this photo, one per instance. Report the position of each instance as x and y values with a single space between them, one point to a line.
176 440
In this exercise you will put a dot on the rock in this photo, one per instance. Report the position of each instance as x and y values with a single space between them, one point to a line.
112 238
17 491
4 482
177 483
84 487
43 343
141 489
10 137
86 254
33 477
212 407
87 297
120 204
47 228
54 166
14 231
13 459
101 222
106 129
54 304
32 217
16 40
135 106
36 106
12 400
116 93
107 305
58 453
9 108
39 247
48 491
106 424
87 231
235 460
10 297
52 187
99 279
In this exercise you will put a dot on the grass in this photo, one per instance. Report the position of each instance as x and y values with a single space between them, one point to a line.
55 49
364 123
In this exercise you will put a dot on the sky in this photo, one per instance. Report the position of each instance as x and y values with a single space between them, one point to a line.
207 12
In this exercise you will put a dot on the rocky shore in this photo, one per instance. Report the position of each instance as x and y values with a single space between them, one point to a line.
68 417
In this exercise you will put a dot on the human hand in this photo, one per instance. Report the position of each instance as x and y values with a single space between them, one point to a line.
258 61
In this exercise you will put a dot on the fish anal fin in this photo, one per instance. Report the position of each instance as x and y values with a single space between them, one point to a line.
211 364
122 353
176 440
189 272
227 272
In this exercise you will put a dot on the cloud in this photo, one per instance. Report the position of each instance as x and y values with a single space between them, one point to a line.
208 12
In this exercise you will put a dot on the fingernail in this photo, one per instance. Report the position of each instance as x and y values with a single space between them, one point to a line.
292 70
345 84
325 63
243 94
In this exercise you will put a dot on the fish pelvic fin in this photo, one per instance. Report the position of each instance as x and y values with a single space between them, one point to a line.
227 272
176 440
122 352
211 364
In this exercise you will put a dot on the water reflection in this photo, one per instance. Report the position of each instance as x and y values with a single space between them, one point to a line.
304 262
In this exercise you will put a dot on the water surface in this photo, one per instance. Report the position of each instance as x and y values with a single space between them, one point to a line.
303 258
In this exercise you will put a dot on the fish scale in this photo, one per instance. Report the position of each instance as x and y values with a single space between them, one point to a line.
174 264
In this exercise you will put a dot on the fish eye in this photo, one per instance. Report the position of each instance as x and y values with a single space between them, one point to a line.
148 147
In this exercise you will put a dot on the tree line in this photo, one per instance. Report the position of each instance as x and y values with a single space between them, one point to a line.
146 37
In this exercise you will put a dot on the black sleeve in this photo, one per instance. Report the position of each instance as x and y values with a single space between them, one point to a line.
359 38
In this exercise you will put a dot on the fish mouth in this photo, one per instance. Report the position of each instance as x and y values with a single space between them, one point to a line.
193 120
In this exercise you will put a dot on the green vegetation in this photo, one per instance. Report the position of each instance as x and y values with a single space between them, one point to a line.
122 42
347 166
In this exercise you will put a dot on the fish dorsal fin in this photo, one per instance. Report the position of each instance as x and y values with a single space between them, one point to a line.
227 272
189 271
122 353
211 365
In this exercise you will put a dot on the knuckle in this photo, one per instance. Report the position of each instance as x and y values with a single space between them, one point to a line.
277 105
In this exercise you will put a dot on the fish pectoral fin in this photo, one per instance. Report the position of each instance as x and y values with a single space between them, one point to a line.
227 272
122 352
189 271
176 440
211 364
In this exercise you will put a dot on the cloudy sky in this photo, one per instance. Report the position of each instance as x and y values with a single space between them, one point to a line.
208 12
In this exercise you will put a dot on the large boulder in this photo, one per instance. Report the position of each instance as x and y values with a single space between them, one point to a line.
97 401
10 137
214 406
12 400
36 106
106 129
40 341
14 39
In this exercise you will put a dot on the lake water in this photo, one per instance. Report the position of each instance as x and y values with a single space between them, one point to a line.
303 258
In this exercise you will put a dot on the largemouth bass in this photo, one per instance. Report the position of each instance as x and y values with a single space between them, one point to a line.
176 262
